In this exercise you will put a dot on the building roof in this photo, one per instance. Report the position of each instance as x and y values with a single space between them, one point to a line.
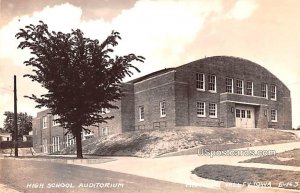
153 74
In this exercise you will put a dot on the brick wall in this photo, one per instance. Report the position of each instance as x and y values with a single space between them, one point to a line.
149 93
40 133
235 68
127 108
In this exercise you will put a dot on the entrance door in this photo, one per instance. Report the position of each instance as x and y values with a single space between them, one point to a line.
244 116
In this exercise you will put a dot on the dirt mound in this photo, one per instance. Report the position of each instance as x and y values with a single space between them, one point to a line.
151 143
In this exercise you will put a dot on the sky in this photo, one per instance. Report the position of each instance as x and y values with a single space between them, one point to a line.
168 33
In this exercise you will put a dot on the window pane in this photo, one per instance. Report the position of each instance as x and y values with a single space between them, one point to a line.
239 86
273 92
162 105
249 88
264 90
229 83
238 113
212 110
248 114
200 81
273 115
211 82
243 113
200 109
141 113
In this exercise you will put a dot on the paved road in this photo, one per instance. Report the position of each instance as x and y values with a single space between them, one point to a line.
178 169
37 176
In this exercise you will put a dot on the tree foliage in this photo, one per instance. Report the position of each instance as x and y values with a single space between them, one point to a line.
24 123
79 73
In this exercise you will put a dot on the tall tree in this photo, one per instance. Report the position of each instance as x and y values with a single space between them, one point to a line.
24 123
79 73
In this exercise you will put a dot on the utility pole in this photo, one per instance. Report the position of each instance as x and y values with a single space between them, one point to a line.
16 116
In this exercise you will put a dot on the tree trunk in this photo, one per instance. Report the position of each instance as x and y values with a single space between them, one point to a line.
79 145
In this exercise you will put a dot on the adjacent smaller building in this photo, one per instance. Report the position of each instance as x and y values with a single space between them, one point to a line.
49 136
5 136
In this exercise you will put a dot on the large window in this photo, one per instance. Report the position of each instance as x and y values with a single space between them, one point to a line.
200 81
273 115
54 120
212 110
212 83
200 109
70 140
141 113
55 144
44 122
264 90
249 87
229 85
162 107
273 92
239 87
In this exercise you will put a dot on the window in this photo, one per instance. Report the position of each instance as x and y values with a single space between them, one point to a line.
243 113
212 83
44 122
105 111
248 114
273 92
87 135
229 85
273 115
239 87
54 121
200 81
200 109
70 140
238 113
212 110
105 131
162 106
141 113
249 87
264 90
55 144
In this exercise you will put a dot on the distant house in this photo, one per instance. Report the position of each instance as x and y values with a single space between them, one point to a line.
217 91
28 137
5 136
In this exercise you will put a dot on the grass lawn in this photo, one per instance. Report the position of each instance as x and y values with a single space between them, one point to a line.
240 175
290 158
150 143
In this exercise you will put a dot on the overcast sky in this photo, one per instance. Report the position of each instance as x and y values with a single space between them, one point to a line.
168 33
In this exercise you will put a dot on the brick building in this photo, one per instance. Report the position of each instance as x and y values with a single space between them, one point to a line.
217 91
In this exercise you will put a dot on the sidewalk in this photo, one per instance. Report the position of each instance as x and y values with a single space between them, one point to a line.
178 168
